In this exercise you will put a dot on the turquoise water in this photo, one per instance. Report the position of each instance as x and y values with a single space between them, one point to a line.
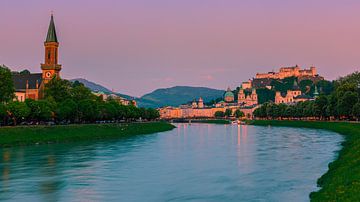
197 162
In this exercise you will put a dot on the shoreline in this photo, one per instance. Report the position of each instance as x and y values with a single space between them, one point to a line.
342 180
35 135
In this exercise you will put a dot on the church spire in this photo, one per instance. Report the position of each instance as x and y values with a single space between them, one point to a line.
51 35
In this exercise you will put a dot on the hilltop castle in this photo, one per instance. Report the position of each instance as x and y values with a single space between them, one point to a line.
31 86
288 72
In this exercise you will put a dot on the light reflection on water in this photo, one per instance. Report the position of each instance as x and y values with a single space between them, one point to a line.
197 162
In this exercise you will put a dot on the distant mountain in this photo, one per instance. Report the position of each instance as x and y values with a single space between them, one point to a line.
178 95
97 87
93 86
174 96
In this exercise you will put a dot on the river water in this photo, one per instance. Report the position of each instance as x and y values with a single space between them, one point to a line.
197 162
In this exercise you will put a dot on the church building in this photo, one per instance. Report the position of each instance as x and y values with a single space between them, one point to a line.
31 86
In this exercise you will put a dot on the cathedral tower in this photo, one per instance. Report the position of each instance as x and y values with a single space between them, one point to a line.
51 68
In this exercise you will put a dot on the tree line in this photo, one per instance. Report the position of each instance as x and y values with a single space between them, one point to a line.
228 113
64 102
343 103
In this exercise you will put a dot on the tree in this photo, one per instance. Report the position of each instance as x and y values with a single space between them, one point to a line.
305 86
265 95
239 114
39 110
67 110
79 92
18 111
219 114
228 112
3 113
325 87
356 111
88 110
346 103
6 85
320 106
25 72
58 89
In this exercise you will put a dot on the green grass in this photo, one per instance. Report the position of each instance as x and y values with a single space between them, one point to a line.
342 181
29 135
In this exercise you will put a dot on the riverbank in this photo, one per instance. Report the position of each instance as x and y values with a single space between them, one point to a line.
29 135
342 181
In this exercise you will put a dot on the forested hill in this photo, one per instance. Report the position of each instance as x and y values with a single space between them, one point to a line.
162 97
178 95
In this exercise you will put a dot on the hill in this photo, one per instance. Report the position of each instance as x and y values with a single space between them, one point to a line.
97 87
178 95
162 97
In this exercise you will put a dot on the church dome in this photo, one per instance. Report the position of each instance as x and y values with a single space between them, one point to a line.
229 94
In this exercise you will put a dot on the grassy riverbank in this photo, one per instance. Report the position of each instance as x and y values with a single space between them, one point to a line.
16 136
342 181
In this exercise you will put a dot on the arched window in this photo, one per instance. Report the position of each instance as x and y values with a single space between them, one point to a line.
49 54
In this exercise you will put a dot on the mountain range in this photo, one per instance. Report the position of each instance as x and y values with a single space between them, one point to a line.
173 96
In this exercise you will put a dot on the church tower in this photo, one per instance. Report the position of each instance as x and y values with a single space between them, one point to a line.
51 68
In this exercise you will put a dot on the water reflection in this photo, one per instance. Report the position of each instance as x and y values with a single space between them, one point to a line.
193 162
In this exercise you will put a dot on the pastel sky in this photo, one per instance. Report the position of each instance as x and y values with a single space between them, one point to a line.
136 46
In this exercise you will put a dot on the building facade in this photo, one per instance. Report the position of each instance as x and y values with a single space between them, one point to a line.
292 96
286 72
247 100
31 86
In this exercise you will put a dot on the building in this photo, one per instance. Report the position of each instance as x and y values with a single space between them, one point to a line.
208 112
201 103
229 96
247 100
246 84
31 86
292 96
117 98
285 72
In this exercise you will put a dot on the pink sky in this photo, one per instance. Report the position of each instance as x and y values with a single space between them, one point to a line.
136 46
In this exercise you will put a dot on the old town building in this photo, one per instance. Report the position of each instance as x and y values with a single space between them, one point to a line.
292 96
247 100
31 86
115 97
197 109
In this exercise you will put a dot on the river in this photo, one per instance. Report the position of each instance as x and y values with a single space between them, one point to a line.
197 162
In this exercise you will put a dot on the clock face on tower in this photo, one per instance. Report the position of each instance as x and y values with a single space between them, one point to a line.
48 75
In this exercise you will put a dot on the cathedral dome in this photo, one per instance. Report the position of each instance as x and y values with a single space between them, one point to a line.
229 96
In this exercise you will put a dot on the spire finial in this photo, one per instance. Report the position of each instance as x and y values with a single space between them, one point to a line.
51 35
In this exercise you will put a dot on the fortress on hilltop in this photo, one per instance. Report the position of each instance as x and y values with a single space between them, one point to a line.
285 72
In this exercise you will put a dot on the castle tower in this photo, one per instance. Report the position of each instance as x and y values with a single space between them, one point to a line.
313 70
51 68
